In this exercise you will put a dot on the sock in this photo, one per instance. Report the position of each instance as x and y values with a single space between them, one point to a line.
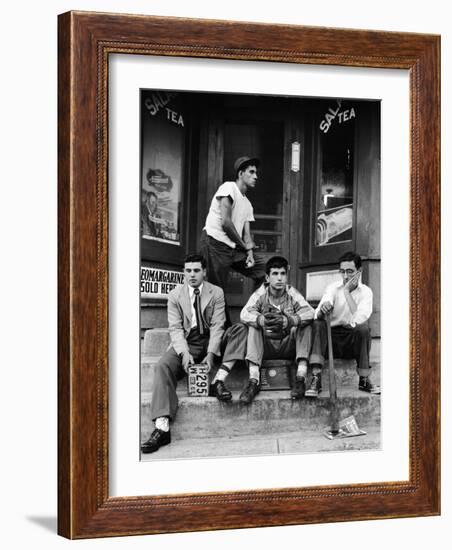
302 369
316 370
162 423
223 371
254 371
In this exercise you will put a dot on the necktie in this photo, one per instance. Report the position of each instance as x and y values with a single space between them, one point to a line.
199 319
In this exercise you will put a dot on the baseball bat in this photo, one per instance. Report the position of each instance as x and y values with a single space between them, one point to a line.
332 380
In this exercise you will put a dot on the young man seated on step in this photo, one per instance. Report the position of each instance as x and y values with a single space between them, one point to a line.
275 324
196 318
348 303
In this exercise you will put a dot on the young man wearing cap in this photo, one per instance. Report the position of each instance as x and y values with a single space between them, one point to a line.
226 242
348 303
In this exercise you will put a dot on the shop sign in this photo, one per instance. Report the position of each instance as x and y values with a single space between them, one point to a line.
317 281
158 101
158 283
336 114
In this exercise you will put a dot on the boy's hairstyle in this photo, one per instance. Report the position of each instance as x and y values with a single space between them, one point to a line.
351 257
195 258
276 262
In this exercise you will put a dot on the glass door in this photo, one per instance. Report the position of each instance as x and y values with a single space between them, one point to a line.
263 139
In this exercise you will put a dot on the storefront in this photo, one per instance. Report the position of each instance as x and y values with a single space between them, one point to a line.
317 196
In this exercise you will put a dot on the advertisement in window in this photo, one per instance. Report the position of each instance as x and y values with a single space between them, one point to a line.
163 137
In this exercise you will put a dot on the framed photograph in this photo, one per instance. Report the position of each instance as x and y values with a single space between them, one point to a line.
322 147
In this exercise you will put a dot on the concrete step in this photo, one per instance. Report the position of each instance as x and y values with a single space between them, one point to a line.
156 341
312 441
345 374
272 412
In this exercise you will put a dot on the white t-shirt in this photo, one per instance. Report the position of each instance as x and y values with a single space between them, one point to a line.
242 211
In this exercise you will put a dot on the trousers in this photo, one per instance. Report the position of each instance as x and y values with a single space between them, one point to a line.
348 343
169 370
221 259
249 343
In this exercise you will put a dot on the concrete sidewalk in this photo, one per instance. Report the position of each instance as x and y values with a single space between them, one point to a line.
290 443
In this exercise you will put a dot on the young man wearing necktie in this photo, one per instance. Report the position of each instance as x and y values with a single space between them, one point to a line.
196 317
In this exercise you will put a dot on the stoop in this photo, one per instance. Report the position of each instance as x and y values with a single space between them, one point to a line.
206 427
156 342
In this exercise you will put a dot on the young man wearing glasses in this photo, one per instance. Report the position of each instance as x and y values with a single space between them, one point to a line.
348 303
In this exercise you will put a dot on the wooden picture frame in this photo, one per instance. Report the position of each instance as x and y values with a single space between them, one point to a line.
85 508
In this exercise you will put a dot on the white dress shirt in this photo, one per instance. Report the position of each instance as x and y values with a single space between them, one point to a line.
191 291
341 314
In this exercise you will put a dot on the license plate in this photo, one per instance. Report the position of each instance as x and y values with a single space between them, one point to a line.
198 381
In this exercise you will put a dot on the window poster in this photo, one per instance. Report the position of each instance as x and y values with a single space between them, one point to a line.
163 137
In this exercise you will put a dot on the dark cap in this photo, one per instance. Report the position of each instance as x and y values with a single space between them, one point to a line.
245 161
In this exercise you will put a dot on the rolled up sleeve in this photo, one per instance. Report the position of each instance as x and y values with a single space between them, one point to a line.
364 307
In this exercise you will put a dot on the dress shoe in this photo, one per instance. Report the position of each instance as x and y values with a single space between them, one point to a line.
158 439
220 391
298 389
250 392
316 386
366 385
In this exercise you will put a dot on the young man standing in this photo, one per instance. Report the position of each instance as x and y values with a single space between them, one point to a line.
276 324
196 320
348 303
226 242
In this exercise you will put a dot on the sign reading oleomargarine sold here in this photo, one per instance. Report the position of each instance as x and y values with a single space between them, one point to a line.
158 283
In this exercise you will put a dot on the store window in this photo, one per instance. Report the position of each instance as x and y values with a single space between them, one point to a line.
334 206
163 142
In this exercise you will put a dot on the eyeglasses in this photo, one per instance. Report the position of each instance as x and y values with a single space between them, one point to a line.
347 271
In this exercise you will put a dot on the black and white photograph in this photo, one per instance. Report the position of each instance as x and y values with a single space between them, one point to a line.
260 274
288 160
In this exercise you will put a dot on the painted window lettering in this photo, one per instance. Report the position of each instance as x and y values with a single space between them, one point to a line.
336 114
157 101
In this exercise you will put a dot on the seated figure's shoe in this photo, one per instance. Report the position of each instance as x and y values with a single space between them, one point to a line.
250 392
220 391
298 389
316 386
366 385
158 439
